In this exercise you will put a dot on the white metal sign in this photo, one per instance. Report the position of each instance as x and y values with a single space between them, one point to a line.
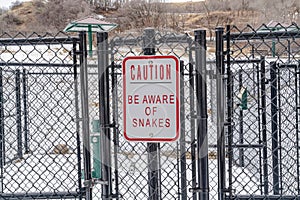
151 98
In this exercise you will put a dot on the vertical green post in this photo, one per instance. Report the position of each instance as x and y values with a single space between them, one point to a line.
95 138
90 40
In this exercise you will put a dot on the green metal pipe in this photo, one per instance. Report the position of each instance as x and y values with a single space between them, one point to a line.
90 36
95 139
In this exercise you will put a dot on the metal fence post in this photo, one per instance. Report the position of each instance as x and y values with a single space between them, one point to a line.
2 138
264 125
19 114
24 78
102 43
220 112
116 139
77 124
297 123
85 115
192 121
152 148
229 95
182 136
193 137
201 93
274 123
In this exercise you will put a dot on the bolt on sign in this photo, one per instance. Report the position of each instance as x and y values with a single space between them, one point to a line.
151 98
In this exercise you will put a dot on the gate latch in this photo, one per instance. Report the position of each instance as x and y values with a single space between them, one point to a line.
92 182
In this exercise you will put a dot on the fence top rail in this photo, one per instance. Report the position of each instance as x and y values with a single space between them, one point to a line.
168 38
35 64
266 35
38 41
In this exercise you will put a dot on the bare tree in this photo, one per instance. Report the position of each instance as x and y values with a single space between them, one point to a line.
140 13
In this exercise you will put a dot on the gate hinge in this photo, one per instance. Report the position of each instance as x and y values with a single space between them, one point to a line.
227 52
196 117
112 125
198 190
227 123
228 190
115 196
76 53
77 120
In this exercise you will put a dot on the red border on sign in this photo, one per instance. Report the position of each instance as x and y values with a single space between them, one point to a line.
177 99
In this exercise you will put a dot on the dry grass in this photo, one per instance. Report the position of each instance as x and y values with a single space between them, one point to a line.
25 13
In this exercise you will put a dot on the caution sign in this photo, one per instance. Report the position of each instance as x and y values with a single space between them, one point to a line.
151 98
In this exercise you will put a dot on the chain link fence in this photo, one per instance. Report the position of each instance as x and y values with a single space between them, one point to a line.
244 142
39 109
264 65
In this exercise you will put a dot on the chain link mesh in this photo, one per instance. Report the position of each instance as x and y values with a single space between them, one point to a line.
40 108
39 134
265 64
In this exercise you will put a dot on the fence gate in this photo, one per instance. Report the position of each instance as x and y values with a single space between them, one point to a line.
40 151
141 170
261 68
